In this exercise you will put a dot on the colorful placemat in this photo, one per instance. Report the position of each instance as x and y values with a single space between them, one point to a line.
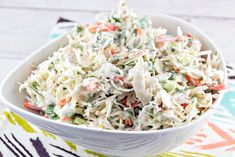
22 139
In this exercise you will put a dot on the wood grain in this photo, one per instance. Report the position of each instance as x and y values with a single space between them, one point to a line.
6 66
24 31
21 36
196 8
222 32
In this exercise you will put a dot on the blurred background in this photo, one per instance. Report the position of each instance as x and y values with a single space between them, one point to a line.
26 24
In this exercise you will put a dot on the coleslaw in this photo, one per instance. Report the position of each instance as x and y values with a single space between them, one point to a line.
121 73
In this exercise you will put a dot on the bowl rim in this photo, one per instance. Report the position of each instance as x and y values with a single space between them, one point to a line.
90 129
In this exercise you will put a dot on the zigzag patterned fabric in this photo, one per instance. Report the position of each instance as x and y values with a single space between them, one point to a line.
22 139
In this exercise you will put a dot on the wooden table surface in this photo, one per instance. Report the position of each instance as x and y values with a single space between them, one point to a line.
25 24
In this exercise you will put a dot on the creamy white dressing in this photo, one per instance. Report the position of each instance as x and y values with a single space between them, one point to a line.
121 73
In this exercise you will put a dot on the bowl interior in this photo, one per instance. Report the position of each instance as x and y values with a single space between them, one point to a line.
9 88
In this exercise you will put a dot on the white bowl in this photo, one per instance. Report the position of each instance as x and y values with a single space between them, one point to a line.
115 143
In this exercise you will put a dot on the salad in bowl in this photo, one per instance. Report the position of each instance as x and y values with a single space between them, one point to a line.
124 85
121 73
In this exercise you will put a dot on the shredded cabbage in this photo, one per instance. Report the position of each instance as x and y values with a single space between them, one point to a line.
121 73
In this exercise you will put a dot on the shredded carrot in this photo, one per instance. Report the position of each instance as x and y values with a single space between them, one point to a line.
61 102
65 119
160 44
128 122
93 29
138 31
105 30
114 51
112 27
28 105
197 82
188 78
108 27
98 23
193 81
217 87
178 70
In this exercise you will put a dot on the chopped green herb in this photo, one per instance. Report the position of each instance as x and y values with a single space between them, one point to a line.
78 46
34 87
55 117
64 88
50 109
121 66
50 112
116 71
79 120
172 76
130 63
35 84
79 29
114 19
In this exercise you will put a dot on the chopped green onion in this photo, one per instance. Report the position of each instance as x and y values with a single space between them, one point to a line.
168 86
55 117
50 112
79 120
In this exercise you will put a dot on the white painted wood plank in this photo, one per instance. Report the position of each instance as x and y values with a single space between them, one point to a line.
222 32
6 66
21 36
195 8
23 31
